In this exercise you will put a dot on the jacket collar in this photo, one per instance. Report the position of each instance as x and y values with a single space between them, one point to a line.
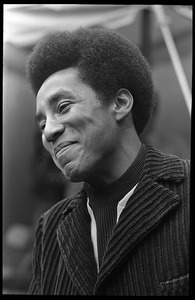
159 165
74 232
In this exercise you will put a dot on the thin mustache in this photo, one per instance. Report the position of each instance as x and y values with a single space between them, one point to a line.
63 145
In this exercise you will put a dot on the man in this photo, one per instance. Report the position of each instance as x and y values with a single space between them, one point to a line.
126 232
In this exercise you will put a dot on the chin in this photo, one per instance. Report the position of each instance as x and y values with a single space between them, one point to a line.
72 173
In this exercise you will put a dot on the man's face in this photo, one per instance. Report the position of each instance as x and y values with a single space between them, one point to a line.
78 130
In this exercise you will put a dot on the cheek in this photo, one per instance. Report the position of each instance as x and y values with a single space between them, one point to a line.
101 139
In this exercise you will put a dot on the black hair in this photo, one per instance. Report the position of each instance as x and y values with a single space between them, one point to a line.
106 61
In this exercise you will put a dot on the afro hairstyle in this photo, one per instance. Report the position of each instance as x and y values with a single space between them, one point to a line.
105 60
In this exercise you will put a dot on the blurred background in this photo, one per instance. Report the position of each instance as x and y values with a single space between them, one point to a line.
31 182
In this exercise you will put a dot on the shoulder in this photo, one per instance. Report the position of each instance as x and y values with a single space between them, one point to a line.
186 166
160 165
53 217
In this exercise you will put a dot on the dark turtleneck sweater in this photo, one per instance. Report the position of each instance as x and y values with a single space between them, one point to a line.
104 200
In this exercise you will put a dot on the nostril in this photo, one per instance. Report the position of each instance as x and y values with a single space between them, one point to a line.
51 137
53 131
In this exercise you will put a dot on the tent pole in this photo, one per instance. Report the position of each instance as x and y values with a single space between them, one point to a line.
146 34
158 10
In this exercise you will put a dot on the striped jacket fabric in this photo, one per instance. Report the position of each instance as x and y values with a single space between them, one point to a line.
148 253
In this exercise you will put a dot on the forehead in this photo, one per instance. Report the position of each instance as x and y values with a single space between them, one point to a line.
67 79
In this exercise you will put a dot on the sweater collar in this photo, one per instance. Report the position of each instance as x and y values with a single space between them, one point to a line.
116 190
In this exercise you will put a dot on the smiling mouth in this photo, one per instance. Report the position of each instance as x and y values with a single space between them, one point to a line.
63 146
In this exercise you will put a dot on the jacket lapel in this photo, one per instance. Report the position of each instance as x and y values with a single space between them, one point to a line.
146 208
143 212
76 247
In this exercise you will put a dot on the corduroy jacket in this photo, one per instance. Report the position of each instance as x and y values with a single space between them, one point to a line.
148 253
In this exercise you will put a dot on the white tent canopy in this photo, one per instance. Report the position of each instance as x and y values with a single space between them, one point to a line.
25 24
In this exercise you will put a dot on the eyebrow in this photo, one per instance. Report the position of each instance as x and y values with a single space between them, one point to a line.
61 94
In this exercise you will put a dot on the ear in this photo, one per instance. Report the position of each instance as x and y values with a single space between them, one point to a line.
123 104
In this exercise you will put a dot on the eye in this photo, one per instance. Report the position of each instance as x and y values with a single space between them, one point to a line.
63 107
42 126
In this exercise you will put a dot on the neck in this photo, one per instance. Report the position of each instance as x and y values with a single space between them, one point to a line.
117 163
118 188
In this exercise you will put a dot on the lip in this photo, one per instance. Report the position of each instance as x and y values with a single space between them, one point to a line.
63 145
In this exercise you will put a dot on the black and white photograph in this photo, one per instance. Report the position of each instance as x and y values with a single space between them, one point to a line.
96 144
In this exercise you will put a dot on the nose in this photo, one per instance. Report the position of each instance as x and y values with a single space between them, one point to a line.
53 130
